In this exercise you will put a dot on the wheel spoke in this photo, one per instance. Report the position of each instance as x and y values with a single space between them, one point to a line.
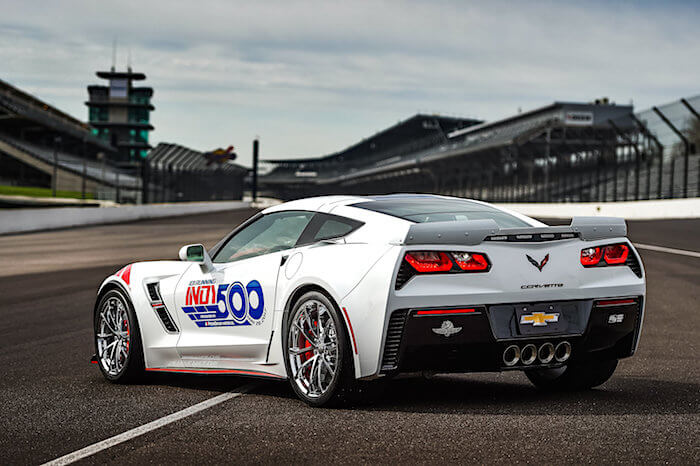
106 321
311 342
308 323
328 366
300 371
296 351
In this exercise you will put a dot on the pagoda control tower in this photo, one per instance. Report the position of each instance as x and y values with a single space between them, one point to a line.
120 114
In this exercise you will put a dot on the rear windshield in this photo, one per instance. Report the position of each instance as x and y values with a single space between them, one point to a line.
422 210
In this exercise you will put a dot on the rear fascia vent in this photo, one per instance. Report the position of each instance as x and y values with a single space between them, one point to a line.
633 263
392 344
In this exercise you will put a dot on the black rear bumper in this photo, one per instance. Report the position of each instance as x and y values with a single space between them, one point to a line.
474 340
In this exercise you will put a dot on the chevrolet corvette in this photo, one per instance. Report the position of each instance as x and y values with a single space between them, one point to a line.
328 292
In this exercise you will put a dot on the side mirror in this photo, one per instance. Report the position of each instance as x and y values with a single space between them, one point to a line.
197 253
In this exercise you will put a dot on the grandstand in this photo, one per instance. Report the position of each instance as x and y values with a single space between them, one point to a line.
560 152
185 174
40 144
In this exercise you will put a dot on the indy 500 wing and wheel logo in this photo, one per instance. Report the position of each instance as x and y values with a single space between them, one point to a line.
223 305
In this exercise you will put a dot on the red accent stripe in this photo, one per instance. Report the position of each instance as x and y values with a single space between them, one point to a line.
126 275
352 332
440 312
215 371
616 301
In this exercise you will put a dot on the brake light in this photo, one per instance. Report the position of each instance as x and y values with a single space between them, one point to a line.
591 256
429 261
470 261
616 254
600 256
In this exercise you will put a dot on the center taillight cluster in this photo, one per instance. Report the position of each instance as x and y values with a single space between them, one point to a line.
600 256
437 261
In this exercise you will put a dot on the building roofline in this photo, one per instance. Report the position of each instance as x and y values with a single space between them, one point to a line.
120 75
369 138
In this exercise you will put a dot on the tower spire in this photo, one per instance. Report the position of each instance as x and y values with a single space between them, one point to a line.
114 53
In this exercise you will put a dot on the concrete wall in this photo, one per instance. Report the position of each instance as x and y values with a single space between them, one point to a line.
27 220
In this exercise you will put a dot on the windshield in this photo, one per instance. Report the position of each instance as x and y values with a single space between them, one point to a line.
431 209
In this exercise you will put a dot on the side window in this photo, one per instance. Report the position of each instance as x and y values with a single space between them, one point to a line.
332 228
270 233
328 226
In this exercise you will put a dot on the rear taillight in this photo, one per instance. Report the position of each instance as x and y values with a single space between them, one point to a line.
612 254
616 254
591 256
438 261
470 261
429 261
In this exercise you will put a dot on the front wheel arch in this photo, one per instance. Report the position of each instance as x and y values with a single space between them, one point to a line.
118 287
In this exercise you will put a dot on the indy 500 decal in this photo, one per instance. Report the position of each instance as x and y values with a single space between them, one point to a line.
211 305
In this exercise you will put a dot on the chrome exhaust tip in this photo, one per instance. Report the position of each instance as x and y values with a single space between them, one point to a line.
511 355
528 354
563 351
546 353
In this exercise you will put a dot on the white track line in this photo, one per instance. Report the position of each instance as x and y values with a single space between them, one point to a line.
137 431
680 252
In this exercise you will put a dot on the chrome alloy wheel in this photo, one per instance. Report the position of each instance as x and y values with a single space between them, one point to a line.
313 348
113 336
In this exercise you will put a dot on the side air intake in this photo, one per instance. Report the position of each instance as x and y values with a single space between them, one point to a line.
153 289
165 319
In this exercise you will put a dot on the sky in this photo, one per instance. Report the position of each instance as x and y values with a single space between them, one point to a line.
310 78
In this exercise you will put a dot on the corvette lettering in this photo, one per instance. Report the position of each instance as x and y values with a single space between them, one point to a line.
224 305
543 285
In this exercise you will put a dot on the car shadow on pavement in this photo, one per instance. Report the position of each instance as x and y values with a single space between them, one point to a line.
460 394
479 394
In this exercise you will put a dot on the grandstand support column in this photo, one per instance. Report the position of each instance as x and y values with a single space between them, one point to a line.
254 187
54 178
83 154
118 194
145 182
686 151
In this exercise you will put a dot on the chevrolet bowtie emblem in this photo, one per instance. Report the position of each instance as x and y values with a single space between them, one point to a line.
539 265
447 329
539 319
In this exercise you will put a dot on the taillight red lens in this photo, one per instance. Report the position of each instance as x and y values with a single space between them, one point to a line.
470 261
591 256
429 261
616 254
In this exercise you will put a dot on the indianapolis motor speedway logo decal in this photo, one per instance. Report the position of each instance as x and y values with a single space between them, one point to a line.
223 305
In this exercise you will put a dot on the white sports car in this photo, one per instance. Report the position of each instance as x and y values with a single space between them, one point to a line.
331 290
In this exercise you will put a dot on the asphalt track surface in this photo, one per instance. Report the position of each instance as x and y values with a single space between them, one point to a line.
53 402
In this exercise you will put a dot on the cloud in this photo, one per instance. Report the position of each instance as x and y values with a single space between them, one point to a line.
312 77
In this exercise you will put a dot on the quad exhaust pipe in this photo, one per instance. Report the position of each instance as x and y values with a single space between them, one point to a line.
529 354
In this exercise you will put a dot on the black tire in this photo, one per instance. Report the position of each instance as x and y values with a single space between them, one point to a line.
573 377
342 387
133 368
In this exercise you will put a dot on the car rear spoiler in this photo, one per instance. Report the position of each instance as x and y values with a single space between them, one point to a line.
473 232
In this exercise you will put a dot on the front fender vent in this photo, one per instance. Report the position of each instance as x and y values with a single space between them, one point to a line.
153 289
392 344
165 319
